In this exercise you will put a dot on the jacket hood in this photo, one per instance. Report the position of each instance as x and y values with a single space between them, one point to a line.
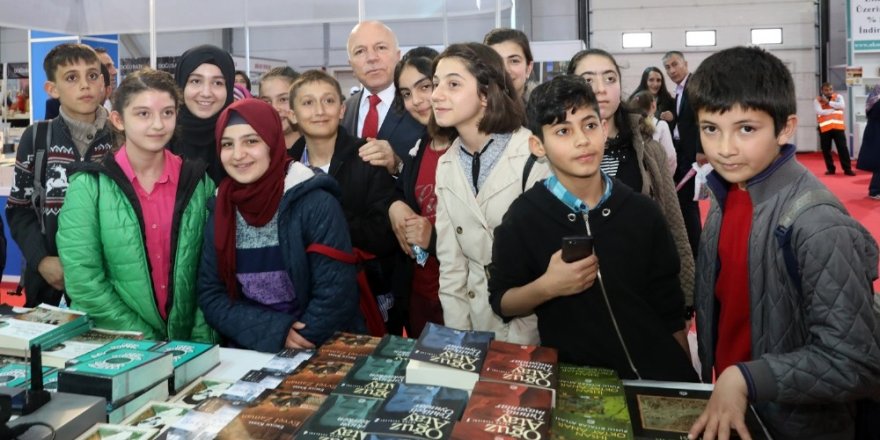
301 180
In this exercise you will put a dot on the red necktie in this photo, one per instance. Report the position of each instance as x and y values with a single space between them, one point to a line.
371 122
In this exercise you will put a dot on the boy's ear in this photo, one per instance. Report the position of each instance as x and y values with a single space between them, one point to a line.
51 89
116 119
536 146
788 130
341 111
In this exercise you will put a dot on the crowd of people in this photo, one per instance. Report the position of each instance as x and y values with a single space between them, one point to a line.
442 192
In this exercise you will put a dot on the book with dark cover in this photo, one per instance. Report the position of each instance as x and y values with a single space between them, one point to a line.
669 409
191 360
373 376
157 415
519 411
44 325
205 420
593 399
274 415
252 385
131 344
201 390
349 345
104 431
395 347
116 375
419 411
445 356
17 375
529 365
320 374
568 426
341 417
288 360
125 407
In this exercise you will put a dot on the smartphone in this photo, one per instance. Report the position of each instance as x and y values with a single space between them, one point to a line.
576 247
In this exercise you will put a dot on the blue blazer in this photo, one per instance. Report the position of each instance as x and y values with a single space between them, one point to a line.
399 128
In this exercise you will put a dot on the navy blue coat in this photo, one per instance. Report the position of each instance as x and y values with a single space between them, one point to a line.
869 154
326 289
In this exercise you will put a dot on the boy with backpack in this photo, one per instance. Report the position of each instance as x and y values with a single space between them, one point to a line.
80 133
784 275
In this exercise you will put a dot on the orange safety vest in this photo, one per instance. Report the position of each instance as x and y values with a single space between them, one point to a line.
833 121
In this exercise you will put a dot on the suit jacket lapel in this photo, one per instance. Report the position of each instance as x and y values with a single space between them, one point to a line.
352 106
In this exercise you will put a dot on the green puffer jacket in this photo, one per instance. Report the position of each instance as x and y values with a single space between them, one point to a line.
102 247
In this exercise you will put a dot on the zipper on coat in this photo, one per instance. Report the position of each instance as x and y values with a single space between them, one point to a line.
632 365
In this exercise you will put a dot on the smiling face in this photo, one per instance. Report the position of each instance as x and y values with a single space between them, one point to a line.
574 147
373 53
275 91
79 87
416 89
317 109
655 80
602 75
741 143
456 100
515 64
148 121
205 91
243 153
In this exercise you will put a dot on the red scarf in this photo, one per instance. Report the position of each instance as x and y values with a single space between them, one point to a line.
258 201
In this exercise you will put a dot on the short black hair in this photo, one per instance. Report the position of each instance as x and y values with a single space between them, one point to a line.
105 72
501 35
749 77
551 100
68 53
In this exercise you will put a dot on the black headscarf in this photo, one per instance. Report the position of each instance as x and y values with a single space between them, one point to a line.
195 139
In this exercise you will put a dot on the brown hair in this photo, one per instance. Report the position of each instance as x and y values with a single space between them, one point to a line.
68 53
310 76
141 81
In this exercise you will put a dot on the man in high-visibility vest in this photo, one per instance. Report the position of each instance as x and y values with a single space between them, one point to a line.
829 114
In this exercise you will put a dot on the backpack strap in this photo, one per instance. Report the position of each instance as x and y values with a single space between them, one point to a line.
527 169
41 141
807 200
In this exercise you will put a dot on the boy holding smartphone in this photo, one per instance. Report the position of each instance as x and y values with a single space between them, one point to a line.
626 316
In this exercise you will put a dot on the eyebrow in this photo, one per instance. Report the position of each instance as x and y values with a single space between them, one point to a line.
450 74
592 72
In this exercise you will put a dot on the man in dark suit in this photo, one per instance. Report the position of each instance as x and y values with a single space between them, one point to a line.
373 53
686 139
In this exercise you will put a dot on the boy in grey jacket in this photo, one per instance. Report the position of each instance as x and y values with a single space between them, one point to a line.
801 345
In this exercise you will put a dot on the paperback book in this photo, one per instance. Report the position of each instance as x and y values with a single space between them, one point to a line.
669 409
201 390
275 415
476 431
448 357
395 347
116 375
18 375
125 407
373 376
419 411
116 344
252 385
341 417
205 421
288 360
59 355
191 360
529 365
157 415
577 373
518 411
349 345
104 431
44 325
320 374
592 399
569 426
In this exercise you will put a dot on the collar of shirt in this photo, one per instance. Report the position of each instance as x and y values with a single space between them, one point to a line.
169 172
570 200
387 97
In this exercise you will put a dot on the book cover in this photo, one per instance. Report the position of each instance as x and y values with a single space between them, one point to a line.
190 360
50 381
448 357
530 365
157 415
568 426
577 373
116 344
669 409
104 431
252 385
478 431
205 420
288 360
64 352
274 415
594 399
395 347
373 376
419 411
320 374
45 325
125 407
515 410
117 374
349 345
341 417
17 375
201 390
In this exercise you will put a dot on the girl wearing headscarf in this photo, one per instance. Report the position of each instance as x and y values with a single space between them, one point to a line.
869 154
206 75
258 286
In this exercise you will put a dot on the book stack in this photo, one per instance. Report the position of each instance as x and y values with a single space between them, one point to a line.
443 356
340 417
59 355
418 412
191 360
515 411
44 325
590 403
18 375
529 365
275 414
